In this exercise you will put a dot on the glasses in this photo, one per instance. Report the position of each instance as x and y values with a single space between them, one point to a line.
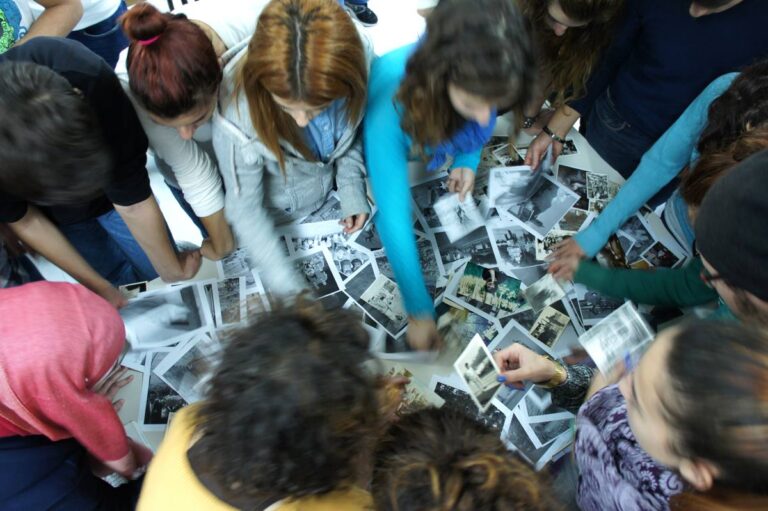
708 278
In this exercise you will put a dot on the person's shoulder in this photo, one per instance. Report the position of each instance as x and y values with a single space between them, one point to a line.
59 54
393 62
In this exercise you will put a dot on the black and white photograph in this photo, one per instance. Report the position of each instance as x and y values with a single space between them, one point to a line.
487 159
158 399
368 237
518 439
237 264
510 186
318 270
508 156
328 212
660 256
569 148
593 305
618 340
636 229
574 221
458 218
133 290
476 367
461 324
514 333
456 399
189 367
530 274
476 246
383 296
425 195
514 246
596 206
488 290
346 257
162 318
545 208
549 326
543 292
229 302
599 187
576 181
545 246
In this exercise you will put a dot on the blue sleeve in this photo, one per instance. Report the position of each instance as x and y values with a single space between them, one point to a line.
469 160
621 45
659 165
386 154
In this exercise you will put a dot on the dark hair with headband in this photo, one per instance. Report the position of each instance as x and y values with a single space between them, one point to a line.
172 65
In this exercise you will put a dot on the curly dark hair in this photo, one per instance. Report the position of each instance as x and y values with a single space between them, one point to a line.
482 46
440 460
290 408
567 61
743 106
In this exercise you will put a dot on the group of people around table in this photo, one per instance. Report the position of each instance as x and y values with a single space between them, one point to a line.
255 111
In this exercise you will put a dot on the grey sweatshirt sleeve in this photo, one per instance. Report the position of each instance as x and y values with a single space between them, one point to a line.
350 180
243 175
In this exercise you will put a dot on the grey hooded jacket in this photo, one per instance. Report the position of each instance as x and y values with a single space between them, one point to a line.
259 196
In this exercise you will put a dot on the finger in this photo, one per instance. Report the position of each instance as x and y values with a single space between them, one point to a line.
360 222
452 185
118 405
515 376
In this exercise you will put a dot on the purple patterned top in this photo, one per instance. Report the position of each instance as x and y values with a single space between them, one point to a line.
615 473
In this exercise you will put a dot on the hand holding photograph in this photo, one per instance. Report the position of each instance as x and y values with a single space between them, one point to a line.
478 370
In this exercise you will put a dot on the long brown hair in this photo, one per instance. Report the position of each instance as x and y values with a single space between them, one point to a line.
307 51
567 61
483 47
717 162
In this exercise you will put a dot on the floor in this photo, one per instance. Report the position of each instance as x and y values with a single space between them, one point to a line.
399 24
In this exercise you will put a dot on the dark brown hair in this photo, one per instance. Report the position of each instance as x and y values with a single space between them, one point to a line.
290 408
566 62
307 51
439 460
172 66
482 46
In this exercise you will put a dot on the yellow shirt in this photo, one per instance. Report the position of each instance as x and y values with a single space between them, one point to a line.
170 483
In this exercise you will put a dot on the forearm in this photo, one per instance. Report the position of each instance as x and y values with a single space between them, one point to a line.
147 225
563 120
219 233
58 19
571 394
350 181
43 237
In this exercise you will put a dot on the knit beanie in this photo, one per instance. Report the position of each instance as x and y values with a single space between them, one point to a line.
732 226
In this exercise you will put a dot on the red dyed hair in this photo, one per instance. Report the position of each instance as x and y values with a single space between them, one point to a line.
172 66
307 51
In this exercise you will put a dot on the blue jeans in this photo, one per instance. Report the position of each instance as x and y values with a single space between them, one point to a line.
110 248
354 2
105 38
619 143
179 196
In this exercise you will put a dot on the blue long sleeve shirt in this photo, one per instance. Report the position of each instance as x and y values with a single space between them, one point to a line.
660 164
387 150
660 58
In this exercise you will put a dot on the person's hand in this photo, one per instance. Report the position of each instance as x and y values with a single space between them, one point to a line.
111 294
538 149
541 120
189 261
354 223
111 385
209 252
565 258
461 180
13 243
422 333
141 453
519 364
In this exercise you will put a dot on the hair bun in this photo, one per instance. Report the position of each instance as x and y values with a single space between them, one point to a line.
143 21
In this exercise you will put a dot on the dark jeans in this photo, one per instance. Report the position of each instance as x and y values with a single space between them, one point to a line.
105 38
619 144
354 2
110 248
36 473
179 196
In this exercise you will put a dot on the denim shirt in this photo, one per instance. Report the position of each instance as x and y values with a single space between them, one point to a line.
324 131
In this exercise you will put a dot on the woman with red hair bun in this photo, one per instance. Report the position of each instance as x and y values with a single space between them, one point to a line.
172 71
286 130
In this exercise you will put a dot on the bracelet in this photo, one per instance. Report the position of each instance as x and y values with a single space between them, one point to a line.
552 134
560 377
528 122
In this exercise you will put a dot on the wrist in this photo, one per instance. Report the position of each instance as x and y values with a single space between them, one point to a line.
554 136
557 375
